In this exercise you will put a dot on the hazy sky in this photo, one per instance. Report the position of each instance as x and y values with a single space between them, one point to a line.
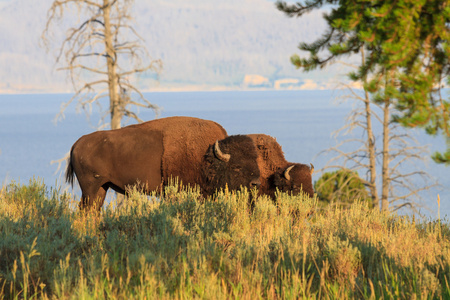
205 44
4 2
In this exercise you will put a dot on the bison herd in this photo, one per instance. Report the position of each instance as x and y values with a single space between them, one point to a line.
198 152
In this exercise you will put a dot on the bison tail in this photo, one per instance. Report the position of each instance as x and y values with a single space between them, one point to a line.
69 170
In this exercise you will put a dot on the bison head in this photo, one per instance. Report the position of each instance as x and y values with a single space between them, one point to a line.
295 178
232 162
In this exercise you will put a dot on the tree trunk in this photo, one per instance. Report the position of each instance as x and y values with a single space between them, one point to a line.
386 158
111 57
114 96
371 145
372 154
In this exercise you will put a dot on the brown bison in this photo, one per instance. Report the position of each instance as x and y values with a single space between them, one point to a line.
194 150
276 172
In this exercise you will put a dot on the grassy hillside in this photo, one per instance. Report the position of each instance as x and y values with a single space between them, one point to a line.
182 247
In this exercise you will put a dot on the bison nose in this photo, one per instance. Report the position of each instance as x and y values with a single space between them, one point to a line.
255 183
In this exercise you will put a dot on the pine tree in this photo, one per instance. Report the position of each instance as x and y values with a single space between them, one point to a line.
407 54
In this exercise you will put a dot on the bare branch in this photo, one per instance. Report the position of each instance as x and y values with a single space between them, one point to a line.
91 49
89 54
60 162
402 148
84 68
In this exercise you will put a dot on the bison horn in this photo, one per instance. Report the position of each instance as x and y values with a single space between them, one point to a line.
312 168
219 154
286 172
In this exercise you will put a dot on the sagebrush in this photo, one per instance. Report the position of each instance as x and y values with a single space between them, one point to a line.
183 246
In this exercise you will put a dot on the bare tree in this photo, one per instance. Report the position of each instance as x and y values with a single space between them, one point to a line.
103 54
396 150
395 188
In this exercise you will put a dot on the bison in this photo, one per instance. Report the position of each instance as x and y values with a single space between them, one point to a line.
276 172
194 150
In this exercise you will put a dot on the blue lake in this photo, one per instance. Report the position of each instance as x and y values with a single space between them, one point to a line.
302 122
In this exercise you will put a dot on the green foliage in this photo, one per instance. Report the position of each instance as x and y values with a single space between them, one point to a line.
443 157
407 54
341 187
183 246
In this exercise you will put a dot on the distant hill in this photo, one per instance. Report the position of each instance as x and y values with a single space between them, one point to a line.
203 45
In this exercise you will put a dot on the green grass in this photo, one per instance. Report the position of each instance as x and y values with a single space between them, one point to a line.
183 247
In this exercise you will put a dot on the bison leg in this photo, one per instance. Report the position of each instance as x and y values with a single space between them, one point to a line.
93 200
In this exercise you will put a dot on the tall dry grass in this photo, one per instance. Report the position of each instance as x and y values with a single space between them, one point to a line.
184 247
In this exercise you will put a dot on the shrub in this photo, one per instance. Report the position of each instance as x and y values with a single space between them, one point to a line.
183 246
341 188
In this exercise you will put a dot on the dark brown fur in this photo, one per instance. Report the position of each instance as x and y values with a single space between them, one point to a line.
148 153
272 166
241 170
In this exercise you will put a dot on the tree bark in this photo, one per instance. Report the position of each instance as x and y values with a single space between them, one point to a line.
111 57
372 154
370 145
386 157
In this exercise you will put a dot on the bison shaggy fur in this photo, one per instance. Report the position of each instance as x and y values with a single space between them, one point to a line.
276 172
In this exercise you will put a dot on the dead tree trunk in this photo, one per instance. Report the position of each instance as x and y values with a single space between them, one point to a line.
111 57
100 38
370 144
372 153
92 50
386 159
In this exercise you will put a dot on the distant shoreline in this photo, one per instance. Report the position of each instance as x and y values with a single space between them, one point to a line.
193 88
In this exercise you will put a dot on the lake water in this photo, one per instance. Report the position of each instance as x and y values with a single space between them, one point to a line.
301 121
